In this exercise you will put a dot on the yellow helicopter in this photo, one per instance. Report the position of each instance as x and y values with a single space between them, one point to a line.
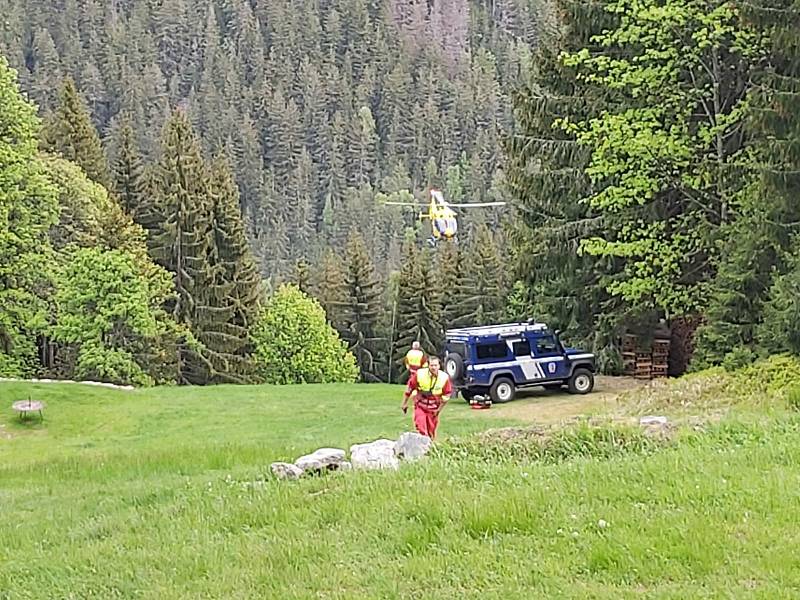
444 224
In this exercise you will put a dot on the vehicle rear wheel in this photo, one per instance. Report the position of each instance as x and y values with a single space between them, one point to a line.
454 365
581 382
502 390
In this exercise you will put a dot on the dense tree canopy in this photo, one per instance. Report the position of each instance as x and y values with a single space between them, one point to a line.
313 104
295 344
28 208
653 166
649 149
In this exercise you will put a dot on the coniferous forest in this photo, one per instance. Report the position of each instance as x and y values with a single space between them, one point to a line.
169 168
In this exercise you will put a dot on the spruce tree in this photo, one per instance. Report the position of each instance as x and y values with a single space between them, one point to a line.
448 270
301 276
47 74
303 205
180 240
130 184
362 148
236 289
546 176
329 287
418 311
70 132
480 293
758 269
361 308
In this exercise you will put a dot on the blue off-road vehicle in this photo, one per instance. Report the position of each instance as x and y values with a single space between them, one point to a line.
499 359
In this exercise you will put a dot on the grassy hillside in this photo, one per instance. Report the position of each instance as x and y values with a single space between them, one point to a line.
165 494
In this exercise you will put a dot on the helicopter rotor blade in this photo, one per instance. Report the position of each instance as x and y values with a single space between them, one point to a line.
478 204
405 204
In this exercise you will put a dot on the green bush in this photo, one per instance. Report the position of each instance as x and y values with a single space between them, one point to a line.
99 363
774 374
738 358
295 344
793 397
109 310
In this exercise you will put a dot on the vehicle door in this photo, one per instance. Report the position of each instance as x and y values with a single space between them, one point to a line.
548 356
523 357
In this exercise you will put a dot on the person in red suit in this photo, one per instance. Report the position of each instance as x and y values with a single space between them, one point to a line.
430 390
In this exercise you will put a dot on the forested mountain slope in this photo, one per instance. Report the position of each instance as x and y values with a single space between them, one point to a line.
317 105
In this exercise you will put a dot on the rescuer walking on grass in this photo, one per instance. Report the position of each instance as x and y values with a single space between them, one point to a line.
415 358
430 389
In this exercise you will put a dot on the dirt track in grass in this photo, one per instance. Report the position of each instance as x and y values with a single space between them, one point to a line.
538 405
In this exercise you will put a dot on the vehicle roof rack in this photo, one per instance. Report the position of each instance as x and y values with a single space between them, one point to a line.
503 329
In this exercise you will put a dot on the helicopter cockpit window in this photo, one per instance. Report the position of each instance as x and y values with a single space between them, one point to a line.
441 225
452 225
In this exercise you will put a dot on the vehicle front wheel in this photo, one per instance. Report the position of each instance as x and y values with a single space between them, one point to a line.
581 382
502 390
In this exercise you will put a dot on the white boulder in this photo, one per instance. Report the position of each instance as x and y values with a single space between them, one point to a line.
283 470
321 460
412 446
374 455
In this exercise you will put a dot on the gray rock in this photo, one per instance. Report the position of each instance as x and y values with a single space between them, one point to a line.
652 420
344 466
283 470
322 459
412 446
375 455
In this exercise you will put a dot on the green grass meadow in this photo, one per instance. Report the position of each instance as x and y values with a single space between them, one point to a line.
166 493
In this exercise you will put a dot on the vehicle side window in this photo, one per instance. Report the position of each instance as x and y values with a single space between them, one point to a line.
546 345
522 348
496 350
458 348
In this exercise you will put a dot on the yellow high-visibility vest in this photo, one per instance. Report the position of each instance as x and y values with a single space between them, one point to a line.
427 385
414 358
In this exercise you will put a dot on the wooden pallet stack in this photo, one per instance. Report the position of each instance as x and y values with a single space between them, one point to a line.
629 343
644 366
644 363
660 358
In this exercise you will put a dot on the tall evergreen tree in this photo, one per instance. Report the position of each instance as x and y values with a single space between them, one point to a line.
236 288
130 184
547 180
329 287
70 132
418 311
447 267
47 73
480 293
180 240
361 308
301 276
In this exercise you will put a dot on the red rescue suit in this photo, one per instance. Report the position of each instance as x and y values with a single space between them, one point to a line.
430 394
